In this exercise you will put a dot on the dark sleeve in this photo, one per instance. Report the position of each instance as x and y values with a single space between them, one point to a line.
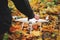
24 7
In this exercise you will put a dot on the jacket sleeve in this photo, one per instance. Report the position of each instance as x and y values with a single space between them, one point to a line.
24 7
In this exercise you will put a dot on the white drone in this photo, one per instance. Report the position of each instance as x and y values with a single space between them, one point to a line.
31 21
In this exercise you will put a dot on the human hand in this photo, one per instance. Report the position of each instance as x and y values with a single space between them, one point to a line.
36 17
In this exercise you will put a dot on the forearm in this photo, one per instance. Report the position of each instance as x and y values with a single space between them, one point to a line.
24 7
